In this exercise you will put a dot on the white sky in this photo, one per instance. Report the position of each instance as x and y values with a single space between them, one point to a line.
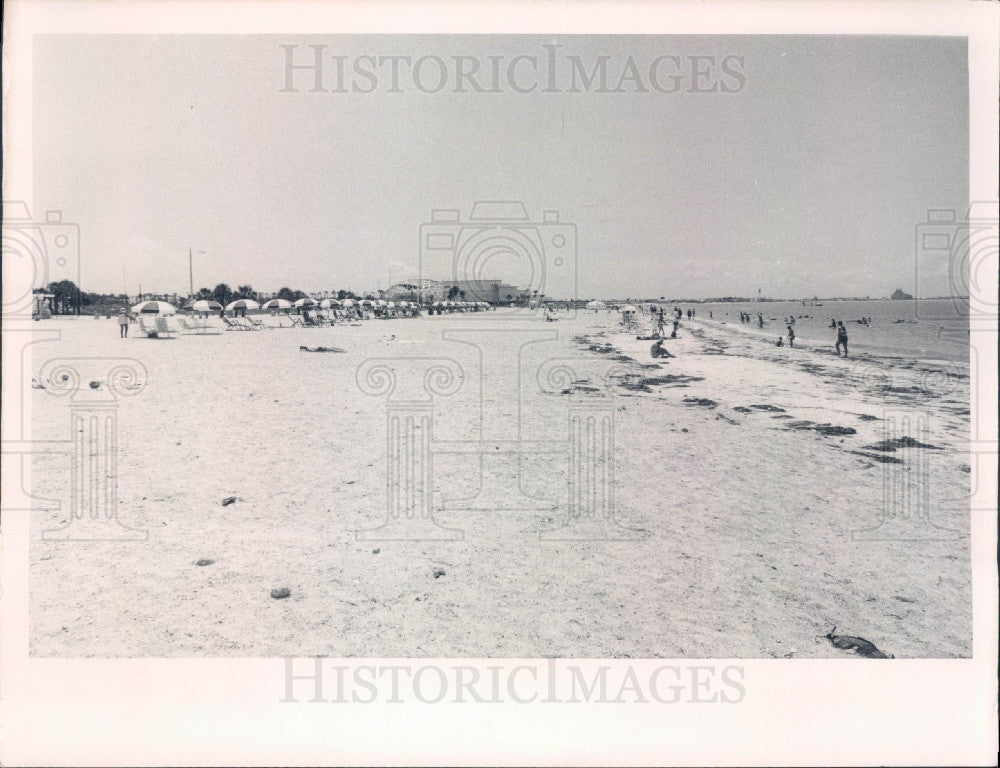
810 180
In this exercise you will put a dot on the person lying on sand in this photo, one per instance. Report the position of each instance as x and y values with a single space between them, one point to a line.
321 349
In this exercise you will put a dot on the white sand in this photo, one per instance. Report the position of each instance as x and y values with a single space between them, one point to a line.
748 551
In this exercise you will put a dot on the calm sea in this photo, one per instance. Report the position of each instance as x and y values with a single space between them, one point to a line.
926 329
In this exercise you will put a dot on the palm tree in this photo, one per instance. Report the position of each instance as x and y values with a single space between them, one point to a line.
222 293
246 292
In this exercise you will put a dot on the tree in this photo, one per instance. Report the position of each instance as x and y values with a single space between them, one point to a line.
461 295
289 295
204 293
452 293
222 293
245 292
65 296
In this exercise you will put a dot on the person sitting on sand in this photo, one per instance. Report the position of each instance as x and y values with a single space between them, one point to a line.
841 338
791 336
123 321
658 350
780 342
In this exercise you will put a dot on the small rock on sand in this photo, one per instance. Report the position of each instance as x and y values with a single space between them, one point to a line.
438 573
281 594
204 561
376 551
228 500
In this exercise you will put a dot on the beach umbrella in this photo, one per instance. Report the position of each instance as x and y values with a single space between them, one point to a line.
277 304
348 302
381 303
206 305
328 303
596 305
391 305
367 303
242 304
629 308
307 302
154 308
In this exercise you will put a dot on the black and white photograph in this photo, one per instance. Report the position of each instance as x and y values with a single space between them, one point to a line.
335 346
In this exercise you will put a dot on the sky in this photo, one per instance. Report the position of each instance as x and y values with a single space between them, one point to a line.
805 169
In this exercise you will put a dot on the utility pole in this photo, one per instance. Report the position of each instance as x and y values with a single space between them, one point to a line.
191 253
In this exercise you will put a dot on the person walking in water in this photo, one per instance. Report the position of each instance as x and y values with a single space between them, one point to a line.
760 320
791 336
841 338
122 323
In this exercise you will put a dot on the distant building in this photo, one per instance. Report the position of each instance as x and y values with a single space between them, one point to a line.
492 291
44 306
898 295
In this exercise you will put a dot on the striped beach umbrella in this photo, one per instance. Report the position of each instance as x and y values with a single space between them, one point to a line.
277 304
307 302
206 305
328 303
154 308
242 304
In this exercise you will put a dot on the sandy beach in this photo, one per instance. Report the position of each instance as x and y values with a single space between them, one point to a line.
748 480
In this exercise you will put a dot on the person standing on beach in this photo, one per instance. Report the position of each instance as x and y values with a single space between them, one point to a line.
760 320
791 336
673 333
841 338
122 323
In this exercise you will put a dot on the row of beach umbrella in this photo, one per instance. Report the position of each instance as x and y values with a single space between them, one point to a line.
208 305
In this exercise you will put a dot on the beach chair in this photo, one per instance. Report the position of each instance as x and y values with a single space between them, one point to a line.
196 325
233 324
256 324
155 327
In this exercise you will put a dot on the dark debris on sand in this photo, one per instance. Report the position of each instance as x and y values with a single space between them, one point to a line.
858 645
881 458
638 383
702 401
827 430
891 445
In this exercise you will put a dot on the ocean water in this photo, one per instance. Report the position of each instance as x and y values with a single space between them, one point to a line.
925 330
